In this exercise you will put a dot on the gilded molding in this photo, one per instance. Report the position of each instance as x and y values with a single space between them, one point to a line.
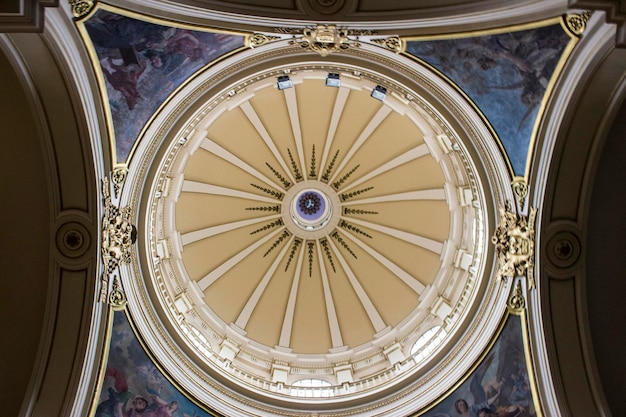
81 8
258 39
118 236
576 23
515 245
393 43
325 39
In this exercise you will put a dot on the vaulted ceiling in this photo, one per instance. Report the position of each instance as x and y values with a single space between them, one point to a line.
403 202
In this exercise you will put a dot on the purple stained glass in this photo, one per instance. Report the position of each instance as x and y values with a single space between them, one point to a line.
311 206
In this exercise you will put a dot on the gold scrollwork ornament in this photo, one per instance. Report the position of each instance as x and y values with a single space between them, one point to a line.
118 236
520 189
325 39
393 43
514 239
81 8
118 176
517 301
258 39
117 297
576 23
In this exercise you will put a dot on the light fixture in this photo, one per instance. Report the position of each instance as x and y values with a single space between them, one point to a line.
284 82
379 93
333 80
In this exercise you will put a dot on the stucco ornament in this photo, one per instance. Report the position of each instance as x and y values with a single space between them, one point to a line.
515 245
81 8
259 39
118 236
325 39
393 43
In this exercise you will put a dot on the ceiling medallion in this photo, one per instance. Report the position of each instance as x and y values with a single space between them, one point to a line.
311 210
310 203
73 239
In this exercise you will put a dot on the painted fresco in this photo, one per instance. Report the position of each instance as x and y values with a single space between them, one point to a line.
142 63
499 386
133 386
506 75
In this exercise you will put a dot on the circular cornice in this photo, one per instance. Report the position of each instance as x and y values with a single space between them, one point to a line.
428 19
236 371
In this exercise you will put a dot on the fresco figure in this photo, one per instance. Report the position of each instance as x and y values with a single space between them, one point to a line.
133 386
119 397
137 408
499 386
160 407
506 75
142 63
124 78
511 411
480 393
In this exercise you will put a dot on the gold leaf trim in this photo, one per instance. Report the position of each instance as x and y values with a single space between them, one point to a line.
81 8
392 43
576 23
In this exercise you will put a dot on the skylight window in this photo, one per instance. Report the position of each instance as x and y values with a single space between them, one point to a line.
427 343
311 388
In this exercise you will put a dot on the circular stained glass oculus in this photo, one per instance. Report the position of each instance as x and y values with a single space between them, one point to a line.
311 209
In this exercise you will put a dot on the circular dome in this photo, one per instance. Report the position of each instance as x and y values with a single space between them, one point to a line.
308 241
308 235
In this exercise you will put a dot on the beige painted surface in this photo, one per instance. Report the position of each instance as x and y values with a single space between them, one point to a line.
384 293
